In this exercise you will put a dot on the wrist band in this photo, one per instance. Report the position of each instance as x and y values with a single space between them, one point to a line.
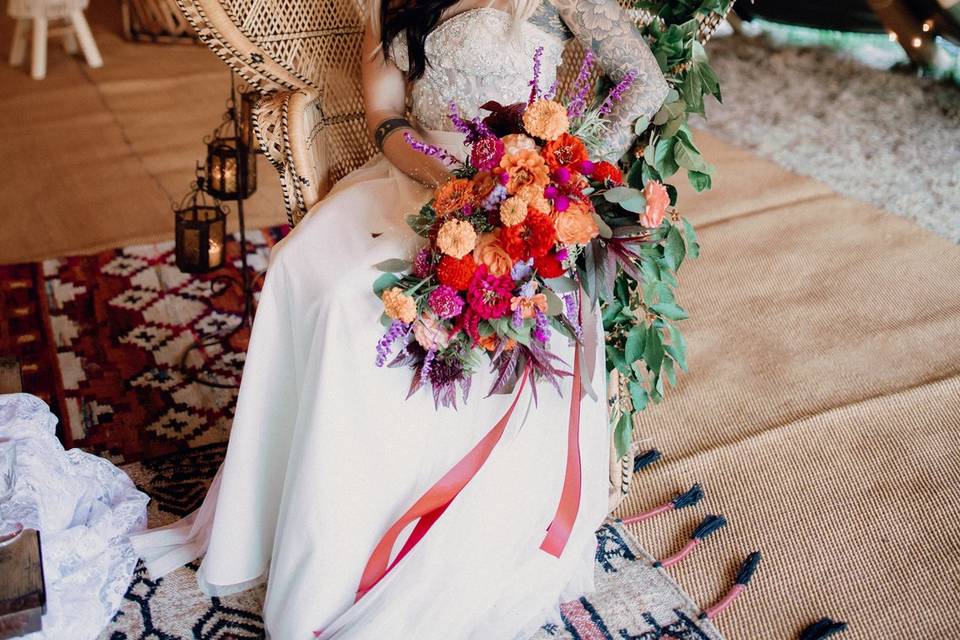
385 128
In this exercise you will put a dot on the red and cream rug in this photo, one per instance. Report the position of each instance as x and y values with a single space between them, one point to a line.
100 338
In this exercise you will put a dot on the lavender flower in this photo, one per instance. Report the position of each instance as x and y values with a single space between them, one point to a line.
396 331
517 319
521 270
552 91
541 328
616 94
535 83
528 289
572 312
427 364
582 86
430 150
495 197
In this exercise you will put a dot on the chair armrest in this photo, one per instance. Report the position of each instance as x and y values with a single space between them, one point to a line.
287 124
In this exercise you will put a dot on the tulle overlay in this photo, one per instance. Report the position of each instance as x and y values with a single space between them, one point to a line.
326 453
84 508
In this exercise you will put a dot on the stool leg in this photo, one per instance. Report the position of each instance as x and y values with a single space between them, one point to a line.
38 62
87 43
18 50
70 42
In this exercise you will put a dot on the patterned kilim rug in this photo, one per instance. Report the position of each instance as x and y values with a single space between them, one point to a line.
633 601
100 339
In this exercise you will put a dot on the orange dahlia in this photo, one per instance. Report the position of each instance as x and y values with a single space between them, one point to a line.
456 273
481 185
564 151
452 195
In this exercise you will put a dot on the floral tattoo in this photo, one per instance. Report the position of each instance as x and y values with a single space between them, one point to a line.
604 27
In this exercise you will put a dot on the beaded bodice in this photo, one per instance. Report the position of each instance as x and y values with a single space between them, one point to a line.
473 58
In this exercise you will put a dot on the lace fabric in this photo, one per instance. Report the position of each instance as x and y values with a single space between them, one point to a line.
466 70
84 507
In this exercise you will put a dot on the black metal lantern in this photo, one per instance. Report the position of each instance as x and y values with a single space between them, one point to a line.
231 153
201 233
231 168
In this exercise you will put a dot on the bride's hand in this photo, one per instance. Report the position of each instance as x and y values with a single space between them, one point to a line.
604 27
384 97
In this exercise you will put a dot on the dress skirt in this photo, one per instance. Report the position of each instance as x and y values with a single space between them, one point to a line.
326 452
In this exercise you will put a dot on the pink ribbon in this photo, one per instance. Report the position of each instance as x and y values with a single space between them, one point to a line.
431 505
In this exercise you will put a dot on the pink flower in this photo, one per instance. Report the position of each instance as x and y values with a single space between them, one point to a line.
489 295
657 201
445 302
486 153
429 333
529 305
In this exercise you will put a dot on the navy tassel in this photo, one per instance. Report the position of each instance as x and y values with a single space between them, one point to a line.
645 459
822 628
747 569
709 525
688 498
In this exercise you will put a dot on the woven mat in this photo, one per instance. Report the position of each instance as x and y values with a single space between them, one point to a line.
822 410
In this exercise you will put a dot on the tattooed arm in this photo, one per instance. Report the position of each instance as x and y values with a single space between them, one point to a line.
602 25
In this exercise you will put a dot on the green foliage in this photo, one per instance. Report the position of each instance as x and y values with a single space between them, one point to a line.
640 315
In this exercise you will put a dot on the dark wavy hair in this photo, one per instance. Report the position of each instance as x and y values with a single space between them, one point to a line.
416 18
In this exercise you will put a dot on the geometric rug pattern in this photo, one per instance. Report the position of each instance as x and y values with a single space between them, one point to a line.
101 338
632 600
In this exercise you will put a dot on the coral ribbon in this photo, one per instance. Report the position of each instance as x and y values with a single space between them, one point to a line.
558 532
434 502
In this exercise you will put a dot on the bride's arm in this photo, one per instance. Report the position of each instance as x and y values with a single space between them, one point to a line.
384 98
602 25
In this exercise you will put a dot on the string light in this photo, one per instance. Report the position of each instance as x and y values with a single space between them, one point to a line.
892 36
916 42
927 26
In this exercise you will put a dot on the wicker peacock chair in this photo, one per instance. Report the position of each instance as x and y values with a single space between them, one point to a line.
303 57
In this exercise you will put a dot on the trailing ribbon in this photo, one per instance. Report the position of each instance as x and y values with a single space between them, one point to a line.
431 505
558 532
434 502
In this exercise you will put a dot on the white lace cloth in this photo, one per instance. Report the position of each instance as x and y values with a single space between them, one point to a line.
84 508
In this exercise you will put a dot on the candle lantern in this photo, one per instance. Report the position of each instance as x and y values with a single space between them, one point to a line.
201 233
231 168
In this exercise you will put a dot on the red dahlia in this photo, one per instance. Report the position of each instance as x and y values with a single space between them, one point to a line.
532 238
565 151
456 273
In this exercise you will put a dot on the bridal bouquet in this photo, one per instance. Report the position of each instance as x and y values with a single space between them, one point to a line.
528 223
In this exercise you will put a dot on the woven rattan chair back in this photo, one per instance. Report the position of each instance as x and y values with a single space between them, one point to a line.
312 47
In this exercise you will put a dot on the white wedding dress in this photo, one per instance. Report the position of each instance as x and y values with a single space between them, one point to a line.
326 452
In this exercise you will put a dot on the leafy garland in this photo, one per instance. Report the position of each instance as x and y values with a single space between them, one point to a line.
644 346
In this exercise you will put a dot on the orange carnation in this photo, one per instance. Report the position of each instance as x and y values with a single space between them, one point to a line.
564 151
657 201
525 168
452 195
398 305
481 185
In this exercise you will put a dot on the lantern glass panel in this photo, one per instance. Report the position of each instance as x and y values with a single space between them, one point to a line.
231 169
200 238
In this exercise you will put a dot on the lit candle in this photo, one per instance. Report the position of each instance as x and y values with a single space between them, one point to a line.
215 253
230 175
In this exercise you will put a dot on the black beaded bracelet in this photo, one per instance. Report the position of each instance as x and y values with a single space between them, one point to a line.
388 126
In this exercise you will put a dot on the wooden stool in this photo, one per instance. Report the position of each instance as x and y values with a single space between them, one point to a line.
74 29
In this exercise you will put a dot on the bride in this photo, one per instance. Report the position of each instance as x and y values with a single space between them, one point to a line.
326 453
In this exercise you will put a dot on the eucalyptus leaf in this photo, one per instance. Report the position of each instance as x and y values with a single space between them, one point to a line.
623 434
670 373
392 265
620 194
605 230
555 305
633 350
638 395
384 282
699 181
641 125
637 204
693 247
669 310
562 284
674 249
653 351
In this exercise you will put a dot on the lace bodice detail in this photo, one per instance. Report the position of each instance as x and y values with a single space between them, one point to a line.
472 59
